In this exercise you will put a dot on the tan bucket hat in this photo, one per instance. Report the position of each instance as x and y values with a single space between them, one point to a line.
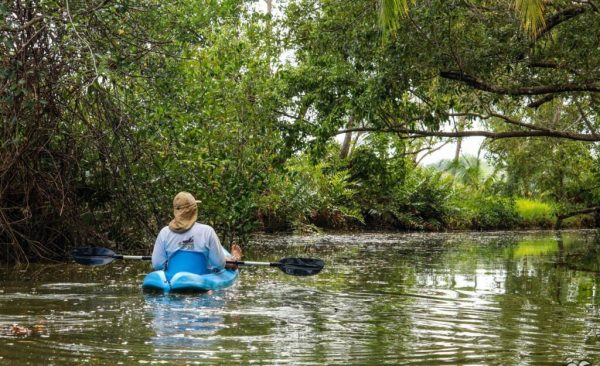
185 212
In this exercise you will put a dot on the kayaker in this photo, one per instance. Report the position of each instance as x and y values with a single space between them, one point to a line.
183 232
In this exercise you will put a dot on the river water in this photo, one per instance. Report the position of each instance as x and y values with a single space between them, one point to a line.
496 298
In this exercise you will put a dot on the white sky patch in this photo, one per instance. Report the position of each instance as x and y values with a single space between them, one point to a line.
469 146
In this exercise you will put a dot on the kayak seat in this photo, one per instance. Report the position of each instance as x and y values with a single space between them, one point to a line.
186 261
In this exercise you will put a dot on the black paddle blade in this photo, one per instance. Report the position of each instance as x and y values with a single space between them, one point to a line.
93 256
301 266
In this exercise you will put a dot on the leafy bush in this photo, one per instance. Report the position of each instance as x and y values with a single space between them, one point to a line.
422 201
579 221
308 194
535 213
489 212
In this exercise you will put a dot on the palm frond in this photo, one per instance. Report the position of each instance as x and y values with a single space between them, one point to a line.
390 12
531 13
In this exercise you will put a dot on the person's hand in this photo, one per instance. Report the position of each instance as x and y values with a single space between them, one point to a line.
236 255
236 252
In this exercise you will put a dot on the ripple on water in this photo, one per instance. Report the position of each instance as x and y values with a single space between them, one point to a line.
68 285
381 299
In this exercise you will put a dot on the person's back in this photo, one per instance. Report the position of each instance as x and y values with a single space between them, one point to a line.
184 233
199 238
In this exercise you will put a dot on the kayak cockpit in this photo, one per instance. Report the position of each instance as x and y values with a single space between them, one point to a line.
187 271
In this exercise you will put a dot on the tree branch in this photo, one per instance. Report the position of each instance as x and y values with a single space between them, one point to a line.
542 100
558 18
503 117
430 150
30 23
528 90
561 217
585 119
414 133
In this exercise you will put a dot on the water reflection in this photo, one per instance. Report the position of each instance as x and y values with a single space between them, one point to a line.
433 299
184 321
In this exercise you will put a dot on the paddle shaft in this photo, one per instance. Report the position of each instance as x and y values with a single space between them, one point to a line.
140 257
95 256
248 263
238 263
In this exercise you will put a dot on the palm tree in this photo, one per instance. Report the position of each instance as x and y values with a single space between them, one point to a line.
531 13
468 170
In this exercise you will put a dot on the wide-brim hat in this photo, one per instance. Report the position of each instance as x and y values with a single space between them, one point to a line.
185 212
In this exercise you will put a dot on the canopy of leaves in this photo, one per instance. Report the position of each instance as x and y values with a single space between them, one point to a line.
109 108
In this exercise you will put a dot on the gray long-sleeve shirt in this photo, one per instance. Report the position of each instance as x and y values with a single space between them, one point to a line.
200 238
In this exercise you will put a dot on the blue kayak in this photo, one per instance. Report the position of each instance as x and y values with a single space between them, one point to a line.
187 271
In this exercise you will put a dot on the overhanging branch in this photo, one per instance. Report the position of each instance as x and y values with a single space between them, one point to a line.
502 117
526 90
414 133
561 217
558 18
542 100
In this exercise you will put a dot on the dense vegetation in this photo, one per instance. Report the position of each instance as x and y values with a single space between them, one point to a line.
313 116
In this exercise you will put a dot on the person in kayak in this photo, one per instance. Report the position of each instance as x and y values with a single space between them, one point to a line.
184 233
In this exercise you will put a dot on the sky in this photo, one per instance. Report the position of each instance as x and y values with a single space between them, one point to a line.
470 146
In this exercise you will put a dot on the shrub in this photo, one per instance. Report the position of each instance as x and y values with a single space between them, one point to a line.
534 213
490 212
422 200
308 194
579 221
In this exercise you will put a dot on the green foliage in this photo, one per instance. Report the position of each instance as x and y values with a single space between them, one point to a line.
216 129
138 101
109 109
579 222
484 212
530 12
393 193
535 213
375 175
469 171
309 194
550 170
423 200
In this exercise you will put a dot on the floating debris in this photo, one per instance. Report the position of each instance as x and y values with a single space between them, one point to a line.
17 330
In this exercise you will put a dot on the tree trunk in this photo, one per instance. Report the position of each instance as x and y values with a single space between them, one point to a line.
269 6
460 126
458 147
345 150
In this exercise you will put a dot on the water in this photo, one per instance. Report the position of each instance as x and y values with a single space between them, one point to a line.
430 299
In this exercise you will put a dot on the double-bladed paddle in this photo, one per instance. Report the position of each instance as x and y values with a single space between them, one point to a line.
96 256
